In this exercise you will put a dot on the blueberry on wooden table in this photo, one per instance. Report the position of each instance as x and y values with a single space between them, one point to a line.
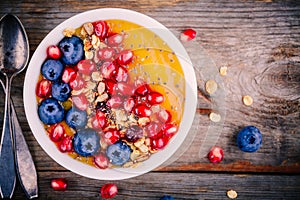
249 139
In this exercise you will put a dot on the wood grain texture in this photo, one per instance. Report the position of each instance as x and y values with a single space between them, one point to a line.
259 42
153 186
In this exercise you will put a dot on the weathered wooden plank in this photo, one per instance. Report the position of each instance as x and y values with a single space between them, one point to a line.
259 42
194 186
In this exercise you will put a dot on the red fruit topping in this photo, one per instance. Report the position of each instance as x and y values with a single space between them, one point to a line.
141 100
78 83
114 102
216 154
111 136
101 29
86 67
155 98
69 75
122 75
107 53
188 35
129 104
124 57
43 88
53 52
108 70
109 190
59 184
101 161
115 39
125 89
170 129
66 144
153 130
57 132
142 90
101 119
164 116
80 101
159 143
111 86
142 111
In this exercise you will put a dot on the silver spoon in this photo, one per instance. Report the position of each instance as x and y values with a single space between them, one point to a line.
14 55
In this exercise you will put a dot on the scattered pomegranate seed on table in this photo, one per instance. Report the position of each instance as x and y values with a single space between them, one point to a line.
59 184
108 190
216 154
187 35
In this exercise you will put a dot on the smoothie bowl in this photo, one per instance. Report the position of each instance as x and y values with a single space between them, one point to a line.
110 94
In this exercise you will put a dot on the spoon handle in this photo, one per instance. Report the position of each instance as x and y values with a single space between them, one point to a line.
24 163
7 162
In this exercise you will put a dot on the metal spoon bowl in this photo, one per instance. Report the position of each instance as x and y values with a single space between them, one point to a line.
14 56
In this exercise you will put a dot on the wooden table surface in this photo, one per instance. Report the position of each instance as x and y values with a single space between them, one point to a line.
258 41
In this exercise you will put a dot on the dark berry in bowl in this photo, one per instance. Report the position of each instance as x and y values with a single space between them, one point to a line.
52 69
61 91
249 139
50 111
72 50
118 153
134 133
86 142
166 197
76 118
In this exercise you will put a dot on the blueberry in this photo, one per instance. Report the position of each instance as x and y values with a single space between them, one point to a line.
52 69
166 197
61 91
118 153
50 111
86 142
249 139
76 118
72 50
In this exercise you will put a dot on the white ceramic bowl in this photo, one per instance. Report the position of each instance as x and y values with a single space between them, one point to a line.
33 73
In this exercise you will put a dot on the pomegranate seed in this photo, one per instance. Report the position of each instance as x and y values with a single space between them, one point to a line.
59 184
170 130
54 52
69 75
57 132
141 100
95 123
111 136
78 83
188 35
86 67
66 144
153 130
114 102
44 88
164 116
125 89
155 98
159 143
101 29
124 57
142 111
142 90
115 39
101 161
122 75
106 53
111 86
80 101
129 104
101 119
216 154
108 190
108 70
